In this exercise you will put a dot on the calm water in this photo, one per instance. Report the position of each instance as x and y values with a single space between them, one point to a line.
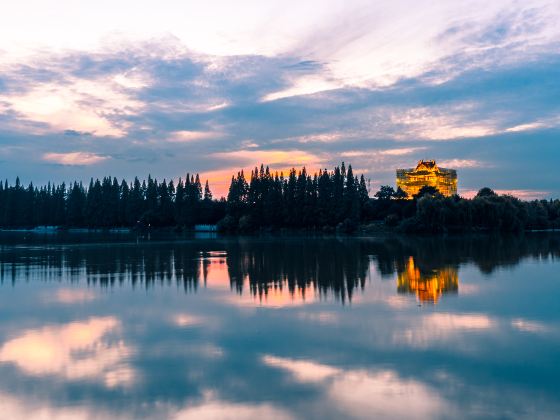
96 326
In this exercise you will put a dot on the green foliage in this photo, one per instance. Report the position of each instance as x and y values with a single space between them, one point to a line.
430 212
400 194
427 190
486 192
386 192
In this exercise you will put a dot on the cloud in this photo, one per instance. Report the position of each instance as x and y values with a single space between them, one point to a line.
401 151
303 86
74 104
74 158
380 153
282 158
521 194
461 163
382 93
185 136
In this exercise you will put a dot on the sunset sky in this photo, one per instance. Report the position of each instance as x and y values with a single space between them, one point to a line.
125 88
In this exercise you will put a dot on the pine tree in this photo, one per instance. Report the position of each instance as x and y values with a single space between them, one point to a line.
76 201
363 191
207 192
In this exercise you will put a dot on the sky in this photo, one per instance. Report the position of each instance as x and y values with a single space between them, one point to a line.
131 88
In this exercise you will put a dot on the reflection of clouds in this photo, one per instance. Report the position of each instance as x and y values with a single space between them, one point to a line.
382 294
470 289
17 408
366 394
302 370
206 350
74 351
322 317
454 322
382 394
70 296
525 325
216 409
435 328
185 320
396 302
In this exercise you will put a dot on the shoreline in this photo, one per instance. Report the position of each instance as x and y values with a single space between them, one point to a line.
369 229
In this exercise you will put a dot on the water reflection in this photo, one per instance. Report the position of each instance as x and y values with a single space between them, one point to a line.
73 351
365 394
124 327
271 271
428 284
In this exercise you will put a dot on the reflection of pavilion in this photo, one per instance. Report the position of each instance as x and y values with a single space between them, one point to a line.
427 285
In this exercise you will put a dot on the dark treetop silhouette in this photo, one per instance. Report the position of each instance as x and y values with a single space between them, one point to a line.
325 200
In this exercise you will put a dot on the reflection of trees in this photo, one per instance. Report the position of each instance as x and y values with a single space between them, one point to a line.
105 265
429 266
425 266
486 252
326 265
286 265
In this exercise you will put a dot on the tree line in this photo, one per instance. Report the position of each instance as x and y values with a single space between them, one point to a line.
431 212
300 200
326 201
107 203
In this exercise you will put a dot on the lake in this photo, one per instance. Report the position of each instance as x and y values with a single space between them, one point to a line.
148 326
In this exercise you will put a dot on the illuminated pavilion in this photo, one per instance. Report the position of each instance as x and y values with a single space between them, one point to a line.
427 173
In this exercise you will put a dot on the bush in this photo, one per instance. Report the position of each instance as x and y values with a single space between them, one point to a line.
347 226
246 224
392 220
228 224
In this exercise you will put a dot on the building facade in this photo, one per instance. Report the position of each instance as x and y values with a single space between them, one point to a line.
427 173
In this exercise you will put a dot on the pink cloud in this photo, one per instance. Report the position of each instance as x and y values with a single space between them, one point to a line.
521 194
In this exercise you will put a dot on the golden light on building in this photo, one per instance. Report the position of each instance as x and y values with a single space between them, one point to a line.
427 173
428 286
